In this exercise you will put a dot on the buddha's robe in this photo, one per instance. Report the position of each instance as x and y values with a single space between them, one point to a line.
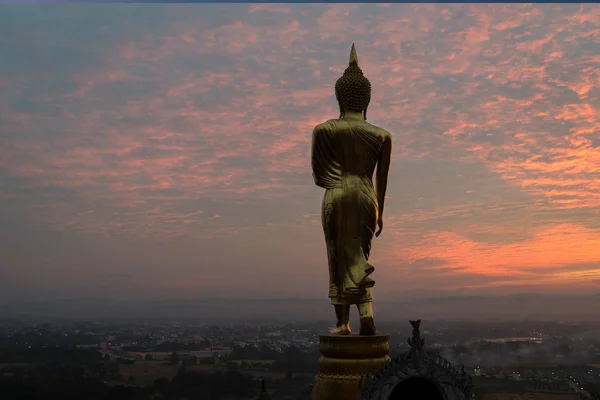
344 156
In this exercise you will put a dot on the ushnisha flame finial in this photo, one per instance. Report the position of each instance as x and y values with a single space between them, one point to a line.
353 56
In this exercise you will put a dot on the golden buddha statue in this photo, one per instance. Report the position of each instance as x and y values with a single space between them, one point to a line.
345 153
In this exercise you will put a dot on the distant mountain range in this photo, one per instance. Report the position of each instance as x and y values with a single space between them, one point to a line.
511 307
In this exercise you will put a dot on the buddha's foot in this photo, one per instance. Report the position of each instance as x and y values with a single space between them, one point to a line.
367 326
341 330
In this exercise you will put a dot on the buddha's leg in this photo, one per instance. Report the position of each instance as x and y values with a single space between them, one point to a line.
368 225
365 307
342 310
360 223
330 220
342 314
334 290
357 266
367 322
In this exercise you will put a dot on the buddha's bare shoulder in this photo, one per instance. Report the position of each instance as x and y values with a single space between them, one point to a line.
384 134
325 129
334 125
326 126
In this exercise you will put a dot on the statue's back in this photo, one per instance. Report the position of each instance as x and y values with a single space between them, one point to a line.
346 153
349 148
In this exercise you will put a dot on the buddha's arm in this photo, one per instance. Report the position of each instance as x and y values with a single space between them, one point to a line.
383 168
319 156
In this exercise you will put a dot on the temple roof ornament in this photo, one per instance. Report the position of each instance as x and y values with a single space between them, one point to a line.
417 362
416 343
263 394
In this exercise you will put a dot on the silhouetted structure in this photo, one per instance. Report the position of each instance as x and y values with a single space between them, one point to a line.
263 394
416 388
417 374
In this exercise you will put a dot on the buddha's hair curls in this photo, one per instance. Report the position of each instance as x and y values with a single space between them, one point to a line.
353 89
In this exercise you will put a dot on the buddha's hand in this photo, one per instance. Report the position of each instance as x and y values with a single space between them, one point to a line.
380 223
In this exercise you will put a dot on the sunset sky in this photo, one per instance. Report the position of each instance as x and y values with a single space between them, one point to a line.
164 150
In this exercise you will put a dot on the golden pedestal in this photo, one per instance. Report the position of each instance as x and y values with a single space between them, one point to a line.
344 360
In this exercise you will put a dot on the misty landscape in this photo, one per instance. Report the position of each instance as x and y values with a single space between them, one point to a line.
476 308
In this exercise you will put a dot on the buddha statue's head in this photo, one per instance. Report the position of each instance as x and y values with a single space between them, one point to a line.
353 90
